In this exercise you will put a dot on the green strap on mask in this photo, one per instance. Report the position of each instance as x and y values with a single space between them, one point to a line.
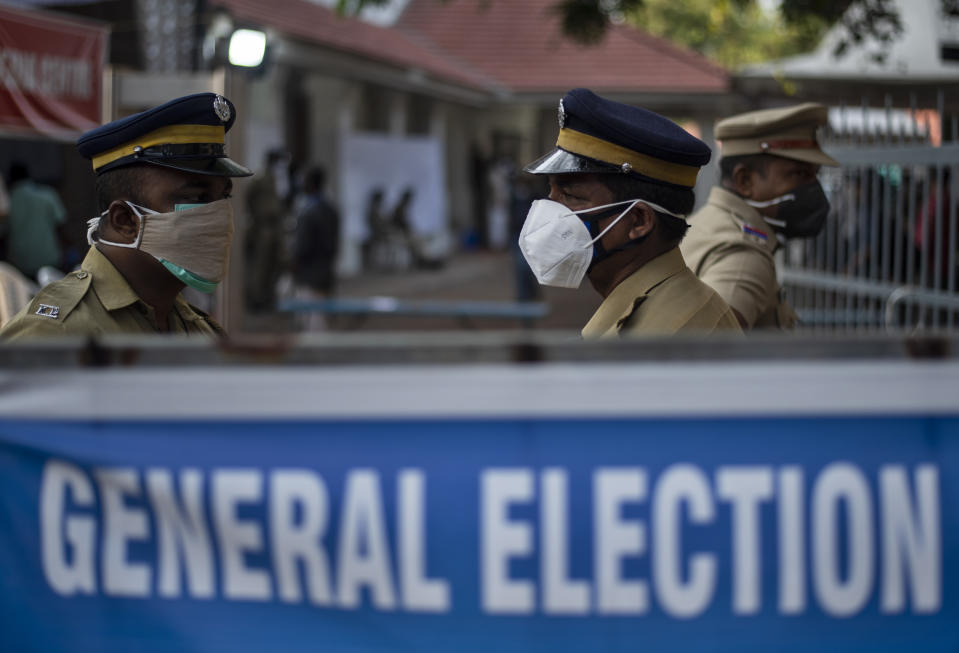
190 279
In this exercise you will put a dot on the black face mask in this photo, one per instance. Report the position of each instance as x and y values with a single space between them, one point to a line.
802 211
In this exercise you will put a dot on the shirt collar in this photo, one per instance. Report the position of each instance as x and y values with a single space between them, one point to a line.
624 298
112 289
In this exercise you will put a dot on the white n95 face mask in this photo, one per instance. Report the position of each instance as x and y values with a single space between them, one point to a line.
557 244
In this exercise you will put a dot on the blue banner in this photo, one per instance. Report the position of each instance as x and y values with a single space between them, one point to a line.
799 533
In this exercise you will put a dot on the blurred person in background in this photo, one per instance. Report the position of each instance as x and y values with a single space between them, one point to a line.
377 230
413 248
166 222
621 183
263 241
402 228
315 245
4 212
768 186
34 223
16 290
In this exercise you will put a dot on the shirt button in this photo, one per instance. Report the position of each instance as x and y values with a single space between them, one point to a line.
81 274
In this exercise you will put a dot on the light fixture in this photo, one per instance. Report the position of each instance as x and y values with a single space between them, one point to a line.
247 47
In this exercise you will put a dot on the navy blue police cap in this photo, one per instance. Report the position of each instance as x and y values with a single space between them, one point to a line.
187 134
601 136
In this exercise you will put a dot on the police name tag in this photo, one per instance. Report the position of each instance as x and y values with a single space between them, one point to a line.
48 311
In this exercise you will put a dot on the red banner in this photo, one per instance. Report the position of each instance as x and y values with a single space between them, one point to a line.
51 72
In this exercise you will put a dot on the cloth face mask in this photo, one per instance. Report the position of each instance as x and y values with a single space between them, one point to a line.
192 242
802 212
557 244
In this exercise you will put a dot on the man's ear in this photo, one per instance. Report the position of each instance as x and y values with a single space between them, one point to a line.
120 224
644 220
742 180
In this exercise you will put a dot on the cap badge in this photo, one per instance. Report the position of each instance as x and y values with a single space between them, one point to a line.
222 108
562 115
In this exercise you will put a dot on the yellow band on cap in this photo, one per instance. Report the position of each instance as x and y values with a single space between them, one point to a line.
170 135
596 148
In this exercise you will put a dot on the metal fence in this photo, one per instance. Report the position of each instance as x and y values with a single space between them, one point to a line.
887 259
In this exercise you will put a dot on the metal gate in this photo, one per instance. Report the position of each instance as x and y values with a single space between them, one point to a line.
887 258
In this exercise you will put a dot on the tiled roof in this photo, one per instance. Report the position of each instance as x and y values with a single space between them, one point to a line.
317 24
518 43
493 45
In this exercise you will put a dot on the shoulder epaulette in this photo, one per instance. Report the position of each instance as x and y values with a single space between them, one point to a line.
57 300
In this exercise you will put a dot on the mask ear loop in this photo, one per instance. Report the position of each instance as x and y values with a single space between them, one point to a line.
632 203
611 224
773 202
93 225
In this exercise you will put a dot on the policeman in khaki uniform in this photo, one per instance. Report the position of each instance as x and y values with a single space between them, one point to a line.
768 187
621 182
163 186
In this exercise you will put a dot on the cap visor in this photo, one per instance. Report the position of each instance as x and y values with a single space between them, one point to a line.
218 167
560 161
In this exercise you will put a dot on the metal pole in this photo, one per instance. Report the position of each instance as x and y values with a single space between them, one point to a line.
848 224
923 242
951 252
911 225
819 298
875 231
865 254
937 241
852 235
831 235
887 231
951 267
899 229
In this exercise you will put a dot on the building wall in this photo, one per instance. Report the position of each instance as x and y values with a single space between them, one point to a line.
336 109
263 116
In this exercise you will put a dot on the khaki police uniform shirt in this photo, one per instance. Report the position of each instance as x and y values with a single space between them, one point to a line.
97 300
662 297
730 247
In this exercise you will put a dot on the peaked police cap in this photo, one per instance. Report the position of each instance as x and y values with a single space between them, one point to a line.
187 133
601 136
789 132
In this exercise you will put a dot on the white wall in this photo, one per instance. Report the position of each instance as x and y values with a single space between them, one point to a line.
392 163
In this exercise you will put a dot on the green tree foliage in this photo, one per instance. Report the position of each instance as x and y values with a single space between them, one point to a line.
732 32
587 20
729 32
862 21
